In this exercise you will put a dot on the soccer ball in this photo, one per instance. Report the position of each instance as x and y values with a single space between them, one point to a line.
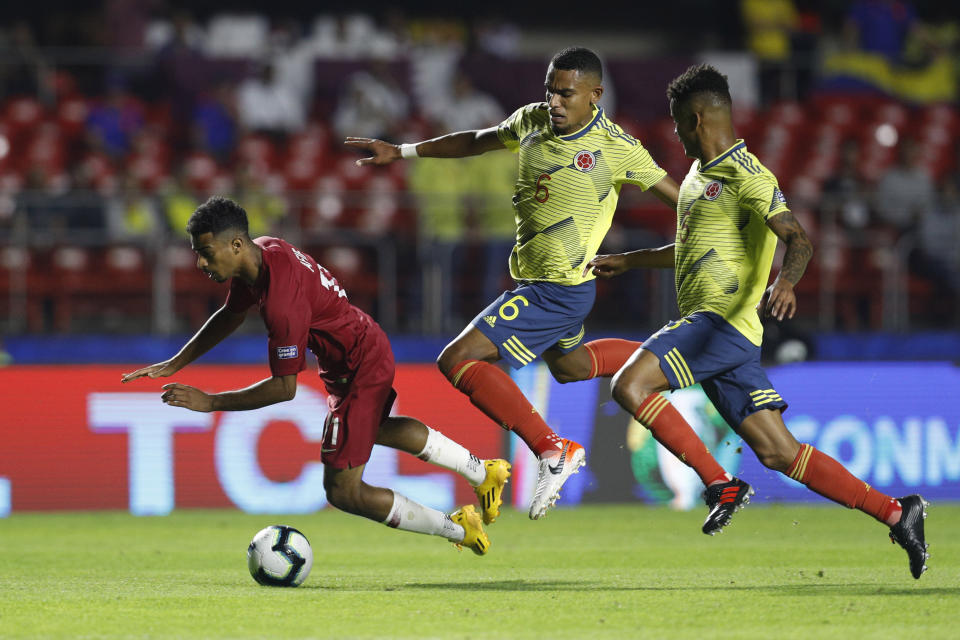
279 556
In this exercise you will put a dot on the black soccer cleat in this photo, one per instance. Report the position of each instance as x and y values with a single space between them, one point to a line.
908 532
724 500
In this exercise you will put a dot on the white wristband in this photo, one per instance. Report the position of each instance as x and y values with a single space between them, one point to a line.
408 151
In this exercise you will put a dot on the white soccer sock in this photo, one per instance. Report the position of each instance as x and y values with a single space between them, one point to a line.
408 515
444 452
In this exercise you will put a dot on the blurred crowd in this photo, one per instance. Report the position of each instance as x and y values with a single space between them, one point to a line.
174 108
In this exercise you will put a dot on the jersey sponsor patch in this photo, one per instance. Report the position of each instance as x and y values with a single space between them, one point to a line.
778 199
713 190
286 353
584 161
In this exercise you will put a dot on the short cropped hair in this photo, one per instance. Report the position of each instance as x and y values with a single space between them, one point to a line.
578 59
217 214
700 78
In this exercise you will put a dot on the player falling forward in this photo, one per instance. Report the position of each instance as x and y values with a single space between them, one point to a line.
573 161
730 214
303 307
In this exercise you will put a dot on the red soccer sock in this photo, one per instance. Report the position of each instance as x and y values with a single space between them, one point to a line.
673 432
607 355
829 478
493 392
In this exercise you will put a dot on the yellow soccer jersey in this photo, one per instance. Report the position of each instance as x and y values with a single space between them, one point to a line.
567 190
724 247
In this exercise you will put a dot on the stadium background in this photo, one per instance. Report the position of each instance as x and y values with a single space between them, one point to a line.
116 122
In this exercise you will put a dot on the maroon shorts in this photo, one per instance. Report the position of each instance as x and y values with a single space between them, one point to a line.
357 408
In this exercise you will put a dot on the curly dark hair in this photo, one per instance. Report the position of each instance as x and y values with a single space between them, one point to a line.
578 59
700 78
215 215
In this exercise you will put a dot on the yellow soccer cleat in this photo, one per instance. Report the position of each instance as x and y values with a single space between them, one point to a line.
490 491
473 534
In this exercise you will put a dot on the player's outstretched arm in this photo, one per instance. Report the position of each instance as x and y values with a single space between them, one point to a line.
608 266
220 325
452 145
779 300
266 392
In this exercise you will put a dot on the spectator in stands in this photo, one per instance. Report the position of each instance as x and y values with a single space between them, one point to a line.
37 207
844 199
83 206
181 68
373 104
486 181
467 108
214 121
112 124
265 210
130 213
936 257
437 186
491 181
267 106
847 224
769 28
293 59
179 203
905 194
498 37
880 26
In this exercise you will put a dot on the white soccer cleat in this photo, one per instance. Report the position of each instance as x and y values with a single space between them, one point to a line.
551 475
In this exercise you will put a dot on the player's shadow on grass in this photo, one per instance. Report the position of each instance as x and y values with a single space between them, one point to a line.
509 585
813 589
818 589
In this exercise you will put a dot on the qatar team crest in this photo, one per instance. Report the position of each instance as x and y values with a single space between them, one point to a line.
713 190
584 161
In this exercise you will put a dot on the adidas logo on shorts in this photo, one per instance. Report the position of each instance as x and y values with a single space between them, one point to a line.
491 320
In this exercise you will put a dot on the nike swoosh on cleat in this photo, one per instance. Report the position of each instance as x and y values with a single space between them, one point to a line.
558 468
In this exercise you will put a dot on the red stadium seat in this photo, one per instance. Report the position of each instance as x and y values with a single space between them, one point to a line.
258 151
200 170
72 116
327 204
46 148
15 281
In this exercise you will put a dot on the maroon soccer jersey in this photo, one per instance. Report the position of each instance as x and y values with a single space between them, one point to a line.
303 307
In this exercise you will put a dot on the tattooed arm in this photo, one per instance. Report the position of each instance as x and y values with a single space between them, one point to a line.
778 300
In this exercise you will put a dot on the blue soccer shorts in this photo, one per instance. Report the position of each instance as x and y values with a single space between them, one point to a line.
534 317
705 348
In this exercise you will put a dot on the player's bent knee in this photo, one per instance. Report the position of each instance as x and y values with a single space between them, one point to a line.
343 496
451 355
628 395
565 376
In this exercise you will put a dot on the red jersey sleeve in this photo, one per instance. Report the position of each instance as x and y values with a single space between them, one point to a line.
287 315
288 323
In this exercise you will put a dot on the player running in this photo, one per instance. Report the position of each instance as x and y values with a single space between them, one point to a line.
303 307
730 214
573 161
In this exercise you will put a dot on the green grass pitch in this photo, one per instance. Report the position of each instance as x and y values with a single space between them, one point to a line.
589 572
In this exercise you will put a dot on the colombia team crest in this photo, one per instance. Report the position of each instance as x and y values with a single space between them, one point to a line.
713 190
584 161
